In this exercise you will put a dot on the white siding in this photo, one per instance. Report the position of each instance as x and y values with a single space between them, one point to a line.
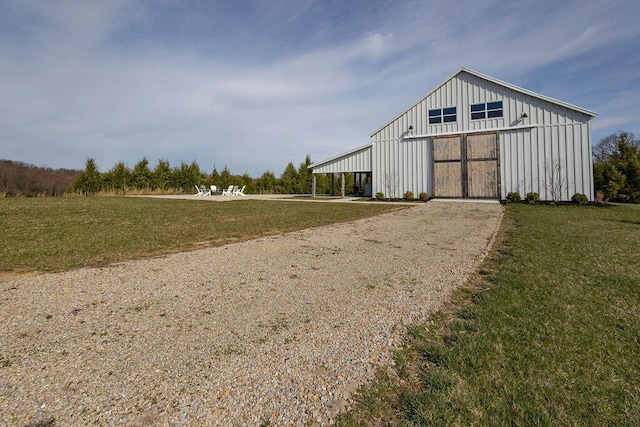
399 168
558 133
528 159
465 89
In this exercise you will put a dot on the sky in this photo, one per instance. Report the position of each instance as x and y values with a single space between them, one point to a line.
255 84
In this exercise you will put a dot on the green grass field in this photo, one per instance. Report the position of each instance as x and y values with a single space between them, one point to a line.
547 333
52 234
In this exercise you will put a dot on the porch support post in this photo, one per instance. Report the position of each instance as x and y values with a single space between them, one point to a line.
333 184
342 184
313 186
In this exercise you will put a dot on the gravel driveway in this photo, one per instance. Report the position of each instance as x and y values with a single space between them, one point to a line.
281 329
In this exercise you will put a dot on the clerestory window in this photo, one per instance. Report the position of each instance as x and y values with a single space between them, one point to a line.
486 110
443 115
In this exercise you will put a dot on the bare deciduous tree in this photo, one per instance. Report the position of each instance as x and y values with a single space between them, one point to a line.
19 178
390 182
554 181
608 145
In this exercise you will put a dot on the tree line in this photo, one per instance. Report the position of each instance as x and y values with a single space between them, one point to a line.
616 168
163 178
23 179
616 164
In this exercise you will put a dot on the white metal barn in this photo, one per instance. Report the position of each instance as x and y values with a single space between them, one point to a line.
474 136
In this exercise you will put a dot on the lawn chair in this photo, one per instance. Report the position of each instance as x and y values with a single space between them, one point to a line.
228 191
239 192
199 190
212 190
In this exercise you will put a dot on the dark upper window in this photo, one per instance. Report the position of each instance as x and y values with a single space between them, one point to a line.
442 115
486 110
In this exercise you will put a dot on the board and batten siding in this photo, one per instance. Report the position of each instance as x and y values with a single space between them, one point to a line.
552 132
399 168
533 159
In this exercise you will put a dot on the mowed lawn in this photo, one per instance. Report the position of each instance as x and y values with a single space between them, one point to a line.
52 234
547 332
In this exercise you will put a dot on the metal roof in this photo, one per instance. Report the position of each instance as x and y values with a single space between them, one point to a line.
334 158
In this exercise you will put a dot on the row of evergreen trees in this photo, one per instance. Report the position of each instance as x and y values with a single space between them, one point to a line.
163 178
616 175
616 168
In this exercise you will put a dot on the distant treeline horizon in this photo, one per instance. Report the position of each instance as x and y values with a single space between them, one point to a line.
23 179
616 170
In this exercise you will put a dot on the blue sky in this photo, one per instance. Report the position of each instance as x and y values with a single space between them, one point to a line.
256 84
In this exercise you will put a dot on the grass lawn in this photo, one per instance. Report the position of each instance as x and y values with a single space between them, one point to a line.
52 234
547 333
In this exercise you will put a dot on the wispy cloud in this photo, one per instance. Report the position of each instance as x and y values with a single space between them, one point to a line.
259 85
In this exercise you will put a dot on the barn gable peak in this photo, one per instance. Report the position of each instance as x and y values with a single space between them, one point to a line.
491 80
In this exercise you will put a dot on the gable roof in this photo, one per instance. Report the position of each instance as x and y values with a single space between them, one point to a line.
494 81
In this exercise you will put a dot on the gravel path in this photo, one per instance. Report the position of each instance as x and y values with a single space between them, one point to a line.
280 329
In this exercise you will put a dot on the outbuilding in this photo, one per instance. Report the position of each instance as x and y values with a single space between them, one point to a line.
474 136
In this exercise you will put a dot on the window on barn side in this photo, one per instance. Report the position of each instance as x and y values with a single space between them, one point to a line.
494 109
486 110
443 115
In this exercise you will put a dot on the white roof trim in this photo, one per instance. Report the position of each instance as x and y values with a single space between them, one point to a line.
346 153
431 135
495 81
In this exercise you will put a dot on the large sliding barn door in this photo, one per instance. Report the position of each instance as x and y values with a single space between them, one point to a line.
482 166
465 166
447 167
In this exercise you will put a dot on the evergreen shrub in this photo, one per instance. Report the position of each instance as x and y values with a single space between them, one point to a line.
532 198
514 197
580 199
